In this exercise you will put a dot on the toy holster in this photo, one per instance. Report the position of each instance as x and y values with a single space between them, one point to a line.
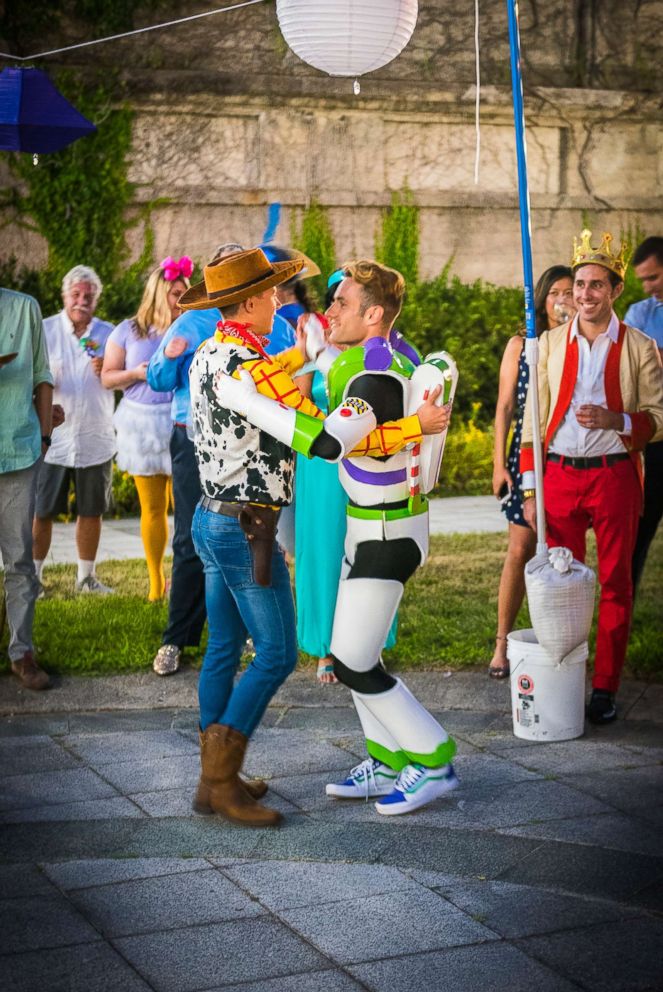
259 525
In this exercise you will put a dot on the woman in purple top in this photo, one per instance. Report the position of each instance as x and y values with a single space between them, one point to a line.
142 420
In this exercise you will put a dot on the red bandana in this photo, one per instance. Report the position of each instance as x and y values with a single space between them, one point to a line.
243 331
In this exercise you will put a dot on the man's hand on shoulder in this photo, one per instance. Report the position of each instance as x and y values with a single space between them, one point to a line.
434 419
176 347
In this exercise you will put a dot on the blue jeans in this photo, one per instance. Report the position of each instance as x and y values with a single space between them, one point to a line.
237 606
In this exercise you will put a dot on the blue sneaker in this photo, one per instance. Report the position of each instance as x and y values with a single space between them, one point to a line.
416 786
369 779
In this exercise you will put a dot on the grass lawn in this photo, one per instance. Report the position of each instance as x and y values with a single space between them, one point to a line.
447 619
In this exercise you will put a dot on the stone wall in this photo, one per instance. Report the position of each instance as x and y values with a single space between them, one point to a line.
228 120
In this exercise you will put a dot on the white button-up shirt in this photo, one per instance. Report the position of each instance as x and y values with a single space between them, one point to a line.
87 436
571 439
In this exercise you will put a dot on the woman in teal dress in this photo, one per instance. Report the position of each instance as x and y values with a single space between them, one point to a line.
320 524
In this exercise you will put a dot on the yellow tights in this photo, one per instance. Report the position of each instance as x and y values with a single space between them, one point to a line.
154 494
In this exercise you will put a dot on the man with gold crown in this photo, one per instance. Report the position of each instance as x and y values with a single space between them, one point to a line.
601 402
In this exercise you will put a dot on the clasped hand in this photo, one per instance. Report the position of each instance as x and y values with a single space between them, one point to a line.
434 419
599 418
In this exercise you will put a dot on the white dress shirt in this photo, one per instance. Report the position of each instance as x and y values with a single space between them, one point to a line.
571 439
87 436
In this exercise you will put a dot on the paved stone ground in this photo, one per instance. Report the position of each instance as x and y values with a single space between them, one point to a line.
120 539
543 871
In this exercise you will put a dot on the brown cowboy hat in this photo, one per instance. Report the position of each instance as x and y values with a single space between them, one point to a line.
237 277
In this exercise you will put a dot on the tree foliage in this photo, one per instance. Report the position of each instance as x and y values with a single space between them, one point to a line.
397 242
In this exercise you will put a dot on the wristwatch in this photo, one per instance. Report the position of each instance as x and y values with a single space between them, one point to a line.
529 493
47 440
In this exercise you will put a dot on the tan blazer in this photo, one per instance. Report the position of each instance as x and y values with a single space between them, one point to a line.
633 385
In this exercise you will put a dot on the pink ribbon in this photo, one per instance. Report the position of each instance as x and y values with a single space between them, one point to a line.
176 268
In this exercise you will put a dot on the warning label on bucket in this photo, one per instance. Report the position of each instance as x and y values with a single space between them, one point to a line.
525 713
526 684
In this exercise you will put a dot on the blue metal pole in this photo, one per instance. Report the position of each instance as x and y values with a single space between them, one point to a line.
531 343
521 156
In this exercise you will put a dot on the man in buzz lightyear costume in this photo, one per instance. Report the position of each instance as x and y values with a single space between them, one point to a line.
373 391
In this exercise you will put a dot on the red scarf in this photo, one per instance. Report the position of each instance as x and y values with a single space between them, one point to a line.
243 331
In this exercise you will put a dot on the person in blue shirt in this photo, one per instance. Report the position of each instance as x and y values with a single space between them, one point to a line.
168 371
647 316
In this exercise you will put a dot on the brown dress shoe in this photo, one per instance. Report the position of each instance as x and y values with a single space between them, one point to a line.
221 754
29 673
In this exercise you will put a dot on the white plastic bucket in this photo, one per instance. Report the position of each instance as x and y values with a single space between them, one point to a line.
547 700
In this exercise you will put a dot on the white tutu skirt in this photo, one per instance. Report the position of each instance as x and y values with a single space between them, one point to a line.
143 437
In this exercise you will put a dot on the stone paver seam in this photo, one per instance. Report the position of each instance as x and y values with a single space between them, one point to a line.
635 702
336 966
123 881
118 792
570 784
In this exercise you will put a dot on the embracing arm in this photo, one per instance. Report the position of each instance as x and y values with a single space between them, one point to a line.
504 410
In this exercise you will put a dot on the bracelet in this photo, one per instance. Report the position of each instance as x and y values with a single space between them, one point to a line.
47 440
529 493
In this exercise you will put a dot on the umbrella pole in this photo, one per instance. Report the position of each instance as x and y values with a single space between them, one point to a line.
531 340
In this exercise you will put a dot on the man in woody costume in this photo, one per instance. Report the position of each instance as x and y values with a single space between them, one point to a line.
246 468
601 402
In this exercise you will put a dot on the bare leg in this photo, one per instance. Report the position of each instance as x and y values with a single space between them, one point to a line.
522 545
42 530
88 532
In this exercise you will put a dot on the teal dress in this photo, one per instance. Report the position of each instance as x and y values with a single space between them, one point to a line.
320 523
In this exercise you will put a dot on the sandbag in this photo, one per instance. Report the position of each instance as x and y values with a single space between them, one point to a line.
560 594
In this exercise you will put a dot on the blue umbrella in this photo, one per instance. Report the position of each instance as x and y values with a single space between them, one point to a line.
34 116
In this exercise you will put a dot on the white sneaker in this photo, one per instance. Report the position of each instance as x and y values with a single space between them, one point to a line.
370 778
416 786
92 584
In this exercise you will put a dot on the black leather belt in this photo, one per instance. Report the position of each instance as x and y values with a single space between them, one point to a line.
597 461
218 506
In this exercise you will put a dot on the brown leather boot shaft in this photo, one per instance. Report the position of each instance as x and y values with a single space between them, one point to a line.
222 754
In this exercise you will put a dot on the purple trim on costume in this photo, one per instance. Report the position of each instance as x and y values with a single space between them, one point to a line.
374 478
398 343
377 355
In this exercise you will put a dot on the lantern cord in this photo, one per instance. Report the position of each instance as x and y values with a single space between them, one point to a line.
128 34
477 105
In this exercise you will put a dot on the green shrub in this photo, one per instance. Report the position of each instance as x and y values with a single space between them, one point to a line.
467 468
472 321
125 496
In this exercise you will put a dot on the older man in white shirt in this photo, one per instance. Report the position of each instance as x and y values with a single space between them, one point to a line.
82 450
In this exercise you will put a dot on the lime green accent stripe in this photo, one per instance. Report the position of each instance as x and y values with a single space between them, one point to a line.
394 759
442 755
306 431
365 514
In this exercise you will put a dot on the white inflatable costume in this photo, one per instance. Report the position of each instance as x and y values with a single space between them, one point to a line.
387 539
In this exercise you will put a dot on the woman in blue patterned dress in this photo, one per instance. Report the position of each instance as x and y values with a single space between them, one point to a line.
553 303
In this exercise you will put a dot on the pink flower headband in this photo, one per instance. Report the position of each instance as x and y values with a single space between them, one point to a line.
176 269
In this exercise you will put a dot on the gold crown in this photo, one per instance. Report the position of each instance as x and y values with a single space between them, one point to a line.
584 254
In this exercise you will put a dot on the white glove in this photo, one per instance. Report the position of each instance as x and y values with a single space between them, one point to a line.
235 394
315 337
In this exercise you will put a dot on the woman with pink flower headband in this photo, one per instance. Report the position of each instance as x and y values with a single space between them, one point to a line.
142 420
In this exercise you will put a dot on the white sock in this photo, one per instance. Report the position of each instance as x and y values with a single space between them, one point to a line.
39 566
85 568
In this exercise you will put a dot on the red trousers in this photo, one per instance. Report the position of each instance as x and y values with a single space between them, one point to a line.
609 500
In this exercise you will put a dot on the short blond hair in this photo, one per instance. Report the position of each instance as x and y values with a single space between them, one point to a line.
380 286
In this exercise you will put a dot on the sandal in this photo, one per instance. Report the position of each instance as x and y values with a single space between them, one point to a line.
501 671
325 673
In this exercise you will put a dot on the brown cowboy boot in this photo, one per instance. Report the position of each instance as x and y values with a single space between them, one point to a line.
255 787
222 753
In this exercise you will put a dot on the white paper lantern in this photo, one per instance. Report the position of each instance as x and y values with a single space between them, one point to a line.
347 37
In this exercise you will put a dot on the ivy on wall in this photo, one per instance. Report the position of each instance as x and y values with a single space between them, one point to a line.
78 200
310 232
397 241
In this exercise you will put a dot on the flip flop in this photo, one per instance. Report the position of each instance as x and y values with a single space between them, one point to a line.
502 672
326 670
